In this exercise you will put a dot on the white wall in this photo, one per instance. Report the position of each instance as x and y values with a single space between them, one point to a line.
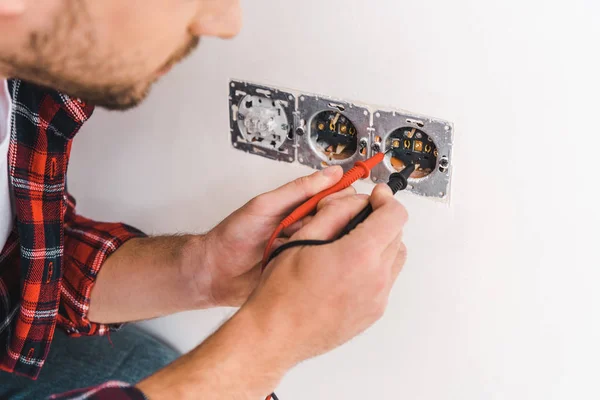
498 299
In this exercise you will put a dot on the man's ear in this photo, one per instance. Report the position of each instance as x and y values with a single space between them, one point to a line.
11 8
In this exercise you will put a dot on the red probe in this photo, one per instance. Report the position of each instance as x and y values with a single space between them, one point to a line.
361 170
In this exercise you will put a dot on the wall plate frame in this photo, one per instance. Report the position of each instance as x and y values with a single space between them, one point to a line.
373 126
436 184
280 99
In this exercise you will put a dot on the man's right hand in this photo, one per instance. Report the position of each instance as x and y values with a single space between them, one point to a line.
319 297
310 301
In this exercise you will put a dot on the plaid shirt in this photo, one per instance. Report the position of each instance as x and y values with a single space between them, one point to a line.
51 259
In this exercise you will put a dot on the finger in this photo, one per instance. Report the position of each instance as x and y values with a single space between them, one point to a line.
279 242
281 200
382 227
398 264
384 260
381 195
349 191
393 256
330 221
295 227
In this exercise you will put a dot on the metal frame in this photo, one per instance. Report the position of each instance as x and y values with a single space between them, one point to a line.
308 107
237 91
436 184
303 107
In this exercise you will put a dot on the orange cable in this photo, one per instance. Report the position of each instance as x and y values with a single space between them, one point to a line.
361 169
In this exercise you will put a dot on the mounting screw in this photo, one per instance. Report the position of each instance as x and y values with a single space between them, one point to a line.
376 148
444 164
300 131
363 146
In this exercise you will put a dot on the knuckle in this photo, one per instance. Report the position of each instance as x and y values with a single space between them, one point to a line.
361 198
334 203
365 257
303 184
327 200
379 306
323 203
402 257
403 249
401 212
258 202
380 284
303 180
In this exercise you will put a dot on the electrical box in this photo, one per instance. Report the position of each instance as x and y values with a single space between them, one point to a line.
319 131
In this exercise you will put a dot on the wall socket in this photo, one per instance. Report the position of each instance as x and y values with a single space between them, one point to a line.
319 131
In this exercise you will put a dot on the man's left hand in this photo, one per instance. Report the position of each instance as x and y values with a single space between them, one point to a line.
232 251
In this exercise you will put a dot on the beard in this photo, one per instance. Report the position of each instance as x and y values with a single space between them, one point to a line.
125 97
111 97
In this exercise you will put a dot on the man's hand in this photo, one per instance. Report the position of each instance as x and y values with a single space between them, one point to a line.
320 297
150 277
309 301
227 263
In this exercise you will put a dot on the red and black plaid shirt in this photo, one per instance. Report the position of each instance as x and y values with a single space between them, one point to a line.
50 261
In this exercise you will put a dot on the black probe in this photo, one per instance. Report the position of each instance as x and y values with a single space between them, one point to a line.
398 182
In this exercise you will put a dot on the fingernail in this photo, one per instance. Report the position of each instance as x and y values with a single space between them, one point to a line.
331 171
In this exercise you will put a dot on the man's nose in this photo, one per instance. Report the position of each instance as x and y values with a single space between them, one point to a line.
219 18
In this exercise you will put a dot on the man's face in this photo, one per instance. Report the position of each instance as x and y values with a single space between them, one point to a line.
110 52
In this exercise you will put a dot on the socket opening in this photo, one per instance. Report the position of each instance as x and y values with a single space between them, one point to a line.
333 135
412 146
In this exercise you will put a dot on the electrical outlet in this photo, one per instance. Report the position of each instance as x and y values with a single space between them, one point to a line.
409 138
320 131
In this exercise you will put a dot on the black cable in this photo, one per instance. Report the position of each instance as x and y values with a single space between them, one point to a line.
298 243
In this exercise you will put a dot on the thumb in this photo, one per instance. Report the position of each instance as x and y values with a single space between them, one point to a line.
381 195
290 195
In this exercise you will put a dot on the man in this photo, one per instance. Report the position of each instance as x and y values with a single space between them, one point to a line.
60 270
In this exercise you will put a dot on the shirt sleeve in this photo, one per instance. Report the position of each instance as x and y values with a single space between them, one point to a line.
106 391
87 246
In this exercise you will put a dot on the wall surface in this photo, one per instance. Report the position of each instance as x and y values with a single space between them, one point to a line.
498 299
